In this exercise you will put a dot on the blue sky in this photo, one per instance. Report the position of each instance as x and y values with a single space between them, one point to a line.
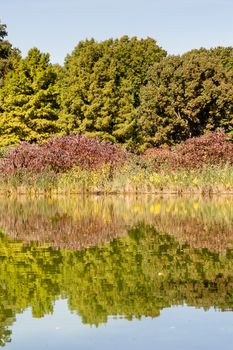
56 26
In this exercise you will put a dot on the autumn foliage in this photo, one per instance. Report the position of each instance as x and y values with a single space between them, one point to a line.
211 149
61 154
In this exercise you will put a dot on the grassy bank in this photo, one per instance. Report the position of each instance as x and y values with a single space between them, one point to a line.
77 164
130 178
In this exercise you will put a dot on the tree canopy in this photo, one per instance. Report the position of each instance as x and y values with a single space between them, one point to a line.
125 90
186 96
29 100
7 53
101 84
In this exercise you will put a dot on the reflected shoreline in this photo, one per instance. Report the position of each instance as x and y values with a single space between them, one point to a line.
75 223
114 256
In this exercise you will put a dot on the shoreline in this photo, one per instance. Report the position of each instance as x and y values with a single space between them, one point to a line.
53 192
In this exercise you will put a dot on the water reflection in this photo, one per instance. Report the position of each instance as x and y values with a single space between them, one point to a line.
76 223
114 256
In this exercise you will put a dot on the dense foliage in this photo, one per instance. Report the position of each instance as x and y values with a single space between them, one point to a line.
186 96
81 164
101 84
61 154
29 100
124 90
7 54
211 149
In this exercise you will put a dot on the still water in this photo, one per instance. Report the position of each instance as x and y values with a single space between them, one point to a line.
116 272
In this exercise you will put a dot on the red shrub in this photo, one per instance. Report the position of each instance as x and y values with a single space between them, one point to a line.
213 149
61 154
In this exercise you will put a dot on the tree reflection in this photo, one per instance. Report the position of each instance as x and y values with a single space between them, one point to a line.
76 223
113 258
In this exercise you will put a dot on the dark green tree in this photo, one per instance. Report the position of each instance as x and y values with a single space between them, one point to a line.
101 84
29 100
7 54
186 96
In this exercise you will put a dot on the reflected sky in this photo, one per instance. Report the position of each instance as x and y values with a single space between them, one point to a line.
177 328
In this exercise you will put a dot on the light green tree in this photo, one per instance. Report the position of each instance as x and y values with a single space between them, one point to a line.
29 100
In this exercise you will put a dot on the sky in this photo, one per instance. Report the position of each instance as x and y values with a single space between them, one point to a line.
56 26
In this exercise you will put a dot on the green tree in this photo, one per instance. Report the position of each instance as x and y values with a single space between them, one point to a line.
29 100
7 54
186 96
101 84
224 54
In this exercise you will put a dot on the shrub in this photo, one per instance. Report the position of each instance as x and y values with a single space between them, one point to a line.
211 149
61 154
158 157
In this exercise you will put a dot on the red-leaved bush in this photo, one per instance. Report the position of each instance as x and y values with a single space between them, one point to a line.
61 154
211 149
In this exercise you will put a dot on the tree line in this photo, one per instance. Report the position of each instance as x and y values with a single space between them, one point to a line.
126 90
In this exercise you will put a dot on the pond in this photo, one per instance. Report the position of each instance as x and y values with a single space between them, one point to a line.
110 272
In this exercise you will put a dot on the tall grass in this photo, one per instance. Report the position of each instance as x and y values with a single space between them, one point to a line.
130 178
